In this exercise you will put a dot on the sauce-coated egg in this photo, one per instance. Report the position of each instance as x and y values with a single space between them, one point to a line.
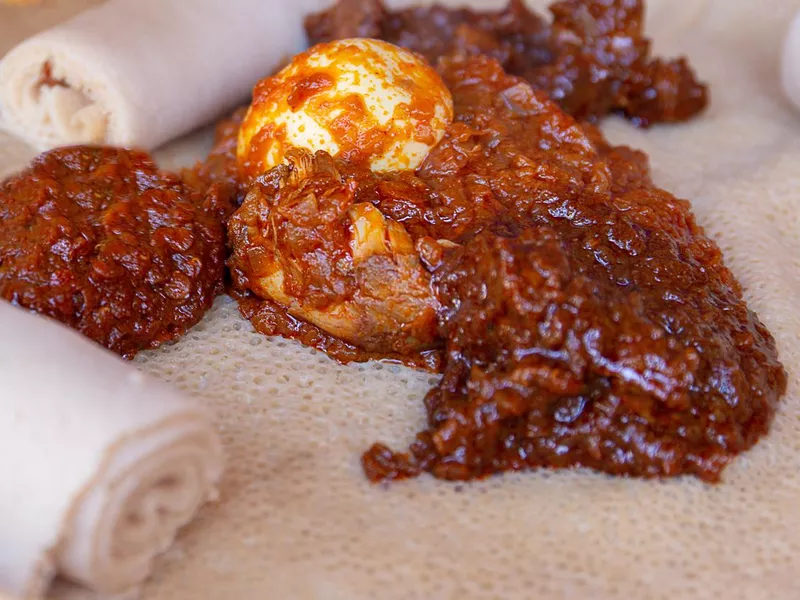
361 99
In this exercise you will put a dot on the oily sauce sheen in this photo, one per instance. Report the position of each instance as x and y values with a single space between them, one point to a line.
584 318
309 86
100 239
593 58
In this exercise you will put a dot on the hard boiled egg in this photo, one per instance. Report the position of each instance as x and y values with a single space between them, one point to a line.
364 100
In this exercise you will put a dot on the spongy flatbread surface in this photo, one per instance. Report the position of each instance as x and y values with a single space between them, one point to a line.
297 518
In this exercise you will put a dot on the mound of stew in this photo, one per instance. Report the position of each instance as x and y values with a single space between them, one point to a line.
588 319
583 317
102 240
592 57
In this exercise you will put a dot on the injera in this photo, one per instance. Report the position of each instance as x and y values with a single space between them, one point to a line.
297 518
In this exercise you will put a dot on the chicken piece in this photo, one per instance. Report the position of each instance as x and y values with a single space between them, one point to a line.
302 240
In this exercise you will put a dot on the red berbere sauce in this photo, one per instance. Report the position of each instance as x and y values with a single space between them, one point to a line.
584 317
102 240
588 319
592 57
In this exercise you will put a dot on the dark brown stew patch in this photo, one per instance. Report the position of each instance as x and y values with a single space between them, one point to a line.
592 56
588 319
585 318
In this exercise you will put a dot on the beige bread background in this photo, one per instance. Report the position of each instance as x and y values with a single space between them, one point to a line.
297 518
136 73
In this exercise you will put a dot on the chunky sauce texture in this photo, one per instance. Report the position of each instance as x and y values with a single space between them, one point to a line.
219 174
583 317
592 57
100 239
586 317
